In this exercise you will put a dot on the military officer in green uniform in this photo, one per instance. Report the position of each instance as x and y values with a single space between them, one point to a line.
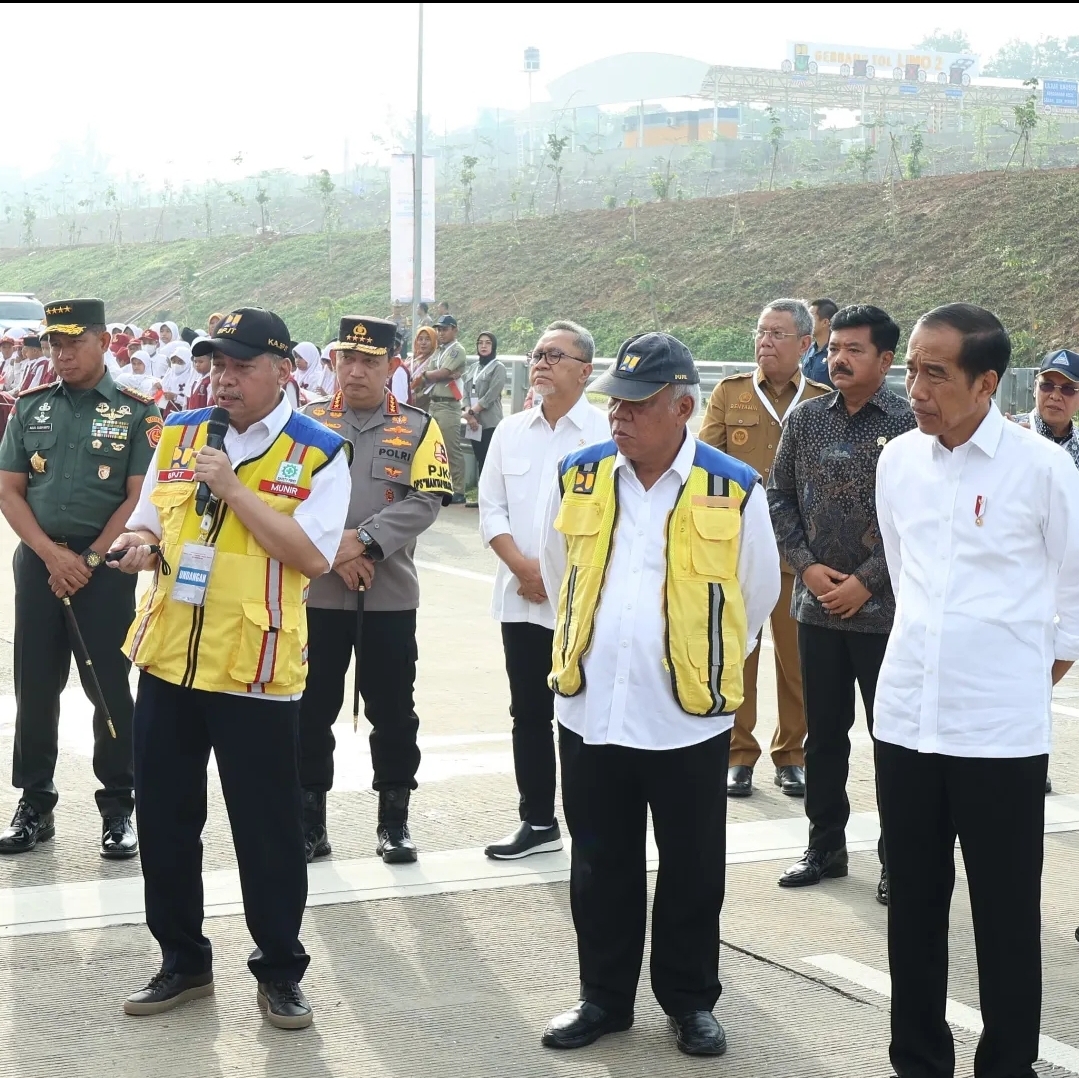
400 480
71 467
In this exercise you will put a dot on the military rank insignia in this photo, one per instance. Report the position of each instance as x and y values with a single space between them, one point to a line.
584 481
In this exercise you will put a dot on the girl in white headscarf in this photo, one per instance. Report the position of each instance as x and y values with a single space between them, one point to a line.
173 332
159 363
310 374
137 375
175 382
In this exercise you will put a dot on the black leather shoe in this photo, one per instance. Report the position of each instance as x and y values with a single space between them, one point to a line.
1048 785
284 1004
315 836
457 499
882 887
815 866
791 779
168 990
28 828
118 838
698 1033
739 781
526 840
395 845
582 1025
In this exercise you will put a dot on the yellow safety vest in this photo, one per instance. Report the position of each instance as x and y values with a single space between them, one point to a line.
704 613
251 633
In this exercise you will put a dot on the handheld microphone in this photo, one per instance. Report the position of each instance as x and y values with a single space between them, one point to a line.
216 428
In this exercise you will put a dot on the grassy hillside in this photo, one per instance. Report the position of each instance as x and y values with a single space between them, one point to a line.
700 268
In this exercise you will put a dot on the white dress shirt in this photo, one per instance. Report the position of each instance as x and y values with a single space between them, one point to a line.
521 466
982 609
321 515
627 697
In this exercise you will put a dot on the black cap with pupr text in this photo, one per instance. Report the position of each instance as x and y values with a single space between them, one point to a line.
644 365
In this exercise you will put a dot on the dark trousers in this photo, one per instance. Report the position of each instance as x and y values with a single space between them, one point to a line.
255 746
606 793
997 808
528 663
388 657
479 449
104 609
832 661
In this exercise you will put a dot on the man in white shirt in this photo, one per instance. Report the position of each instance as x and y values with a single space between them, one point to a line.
518 474
663 558
221 642
980 522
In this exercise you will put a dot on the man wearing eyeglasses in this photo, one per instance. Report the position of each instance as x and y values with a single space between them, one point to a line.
745 418
1056 400
518 474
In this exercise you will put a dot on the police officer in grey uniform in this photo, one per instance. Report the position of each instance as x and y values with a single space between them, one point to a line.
400 479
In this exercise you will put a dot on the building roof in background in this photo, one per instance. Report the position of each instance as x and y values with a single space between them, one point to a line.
630 76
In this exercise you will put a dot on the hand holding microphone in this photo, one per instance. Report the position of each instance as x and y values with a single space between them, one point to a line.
209 467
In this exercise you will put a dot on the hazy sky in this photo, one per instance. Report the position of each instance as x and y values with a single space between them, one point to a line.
181 89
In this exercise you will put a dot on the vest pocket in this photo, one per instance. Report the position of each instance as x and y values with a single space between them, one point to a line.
580 522
268 649
714 542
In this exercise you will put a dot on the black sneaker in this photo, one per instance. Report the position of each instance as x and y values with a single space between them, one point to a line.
28 828
168 990
524 842
284 1004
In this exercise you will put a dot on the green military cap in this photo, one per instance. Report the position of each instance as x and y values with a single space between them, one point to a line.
358 333
71 316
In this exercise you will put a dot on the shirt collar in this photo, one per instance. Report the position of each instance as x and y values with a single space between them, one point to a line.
884 399
987 436
758 377
577 415
1046 431
682 463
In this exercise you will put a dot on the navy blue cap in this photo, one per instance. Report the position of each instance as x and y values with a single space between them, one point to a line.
1064 361
644 365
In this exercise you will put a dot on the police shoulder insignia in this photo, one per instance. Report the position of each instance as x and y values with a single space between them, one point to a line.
392 407
584 481
142 398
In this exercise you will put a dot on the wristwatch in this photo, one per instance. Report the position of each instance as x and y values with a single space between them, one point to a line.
370 544
92 558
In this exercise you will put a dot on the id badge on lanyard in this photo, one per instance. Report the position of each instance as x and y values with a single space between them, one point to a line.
193 571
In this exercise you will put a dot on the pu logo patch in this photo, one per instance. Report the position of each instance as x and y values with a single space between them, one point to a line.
628 363
228 325
584 481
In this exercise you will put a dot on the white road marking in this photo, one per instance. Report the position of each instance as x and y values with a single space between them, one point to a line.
98 903
452 570
958 1014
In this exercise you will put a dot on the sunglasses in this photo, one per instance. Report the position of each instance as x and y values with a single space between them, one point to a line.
1067 392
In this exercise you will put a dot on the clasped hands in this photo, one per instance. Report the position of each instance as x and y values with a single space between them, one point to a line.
841 594
352 564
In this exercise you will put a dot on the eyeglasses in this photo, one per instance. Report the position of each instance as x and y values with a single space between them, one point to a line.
552 355
1047 387
773 334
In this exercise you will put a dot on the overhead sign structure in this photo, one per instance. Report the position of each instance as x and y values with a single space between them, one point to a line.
1061 93
864 61
402 187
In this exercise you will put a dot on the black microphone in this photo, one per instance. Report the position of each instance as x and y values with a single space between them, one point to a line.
217 426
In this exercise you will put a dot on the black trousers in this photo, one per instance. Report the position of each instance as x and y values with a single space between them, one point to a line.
255 745
528 662
479 449
388 657
606 793
997 808
832 661
104 609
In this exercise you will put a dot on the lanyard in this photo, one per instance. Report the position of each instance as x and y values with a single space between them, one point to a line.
768 404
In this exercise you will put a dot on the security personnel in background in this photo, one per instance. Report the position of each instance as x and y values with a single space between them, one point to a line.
744 418
440 387
220 639
400 479
71 469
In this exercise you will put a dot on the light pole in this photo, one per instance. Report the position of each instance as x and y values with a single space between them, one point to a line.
417 183
531 66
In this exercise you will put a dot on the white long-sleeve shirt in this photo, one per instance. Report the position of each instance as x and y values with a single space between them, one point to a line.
982 610
627 697
521 466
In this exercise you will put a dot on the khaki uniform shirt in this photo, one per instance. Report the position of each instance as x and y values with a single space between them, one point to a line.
736 421
450 357
78 448
400 480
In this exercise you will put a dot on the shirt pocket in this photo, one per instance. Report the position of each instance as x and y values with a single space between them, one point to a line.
713 542
266 651
521 491
743 429
108 459
42 444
